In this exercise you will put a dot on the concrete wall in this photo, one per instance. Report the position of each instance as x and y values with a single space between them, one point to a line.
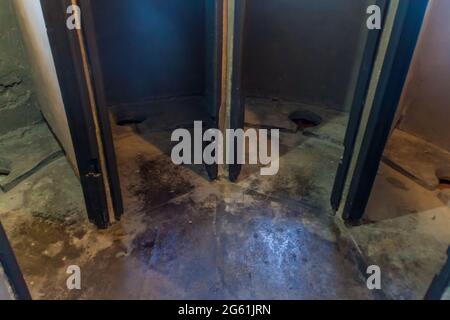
18 107
425 103
151 49
29 14
304 50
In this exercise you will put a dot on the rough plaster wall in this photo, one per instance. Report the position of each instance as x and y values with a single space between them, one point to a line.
303 50
18 107
425 103
151 49
31 20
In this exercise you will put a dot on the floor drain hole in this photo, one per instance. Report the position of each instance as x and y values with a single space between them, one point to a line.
444 184
305 120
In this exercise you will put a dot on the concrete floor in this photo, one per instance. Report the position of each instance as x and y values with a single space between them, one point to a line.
420 160
406 232
183 237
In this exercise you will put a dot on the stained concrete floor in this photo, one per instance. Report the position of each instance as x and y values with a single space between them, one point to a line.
184 237
406 231
217 241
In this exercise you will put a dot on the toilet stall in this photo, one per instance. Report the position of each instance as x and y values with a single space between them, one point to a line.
308 69
304 69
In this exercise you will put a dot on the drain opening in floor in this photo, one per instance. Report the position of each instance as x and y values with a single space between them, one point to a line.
444 184
305 120
4 172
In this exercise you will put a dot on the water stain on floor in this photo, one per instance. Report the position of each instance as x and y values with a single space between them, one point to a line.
159 181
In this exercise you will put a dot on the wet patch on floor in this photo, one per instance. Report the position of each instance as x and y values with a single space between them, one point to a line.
273 256
159 181
226 244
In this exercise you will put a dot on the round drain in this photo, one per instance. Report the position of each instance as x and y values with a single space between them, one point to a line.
305 119
444 184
